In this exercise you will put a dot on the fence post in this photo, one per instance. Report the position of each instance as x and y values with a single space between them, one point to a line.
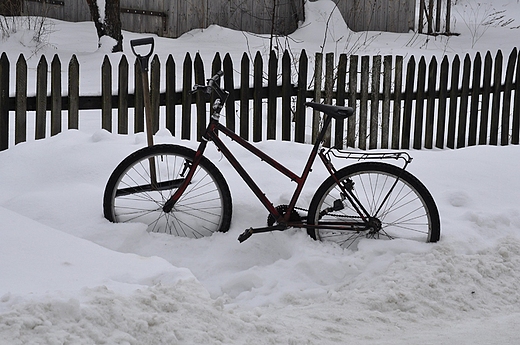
106 94
4 99
41 98
73 105
20 132
171 100
56 95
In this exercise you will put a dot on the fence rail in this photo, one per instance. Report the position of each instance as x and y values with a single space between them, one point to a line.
399 105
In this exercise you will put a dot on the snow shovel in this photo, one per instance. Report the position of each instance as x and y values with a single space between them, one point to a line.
143 62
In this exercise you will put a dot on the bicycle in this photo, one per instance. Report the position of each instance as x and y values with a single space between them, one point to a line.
188 196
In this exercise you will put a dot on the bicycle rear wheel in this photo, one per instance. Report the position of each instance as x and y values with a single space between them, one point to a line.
397 203
132 195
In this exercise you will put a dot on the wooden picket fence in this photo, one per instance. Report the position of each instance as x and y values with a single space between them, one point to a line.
399 104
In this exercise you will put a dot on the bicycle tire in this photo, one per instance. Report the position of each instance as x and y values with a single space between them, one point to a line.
408 212
204 208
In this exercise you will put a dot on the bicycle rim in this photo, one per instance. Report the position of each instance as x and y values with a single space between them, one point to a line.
397 205
132 195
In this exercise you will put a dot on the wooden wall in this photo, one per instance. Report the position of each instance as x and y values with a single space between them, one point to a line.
172 18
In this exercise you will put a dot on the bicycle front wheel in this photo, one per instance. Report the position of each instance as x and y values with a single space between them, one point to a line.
397 204
134 194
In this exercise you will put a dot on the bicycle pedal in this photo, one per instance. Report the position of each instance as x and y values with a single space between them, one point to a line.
245 235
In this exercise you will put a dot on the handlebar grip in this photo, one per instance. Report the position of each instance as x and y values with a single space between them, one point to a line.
217 76
142 42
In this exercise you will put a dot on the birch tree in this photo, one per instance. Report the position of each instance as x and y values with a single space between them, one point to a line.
107 20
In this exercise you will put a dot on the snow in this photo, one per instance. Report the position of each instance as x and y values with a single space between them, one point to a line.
68 276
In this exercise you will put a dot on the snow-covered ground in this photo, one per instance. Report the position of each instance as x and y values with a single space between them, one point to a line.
68 276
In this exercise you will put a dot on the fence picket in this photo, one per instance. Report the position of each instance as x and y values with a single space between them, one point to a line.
286 96
198 67
515 137
374 101
20 134
299 135
430 104
419 104
258 69
73 98
363 106
41 98
186 97
484 107
475 97
4 99
441 111
352 92
55 95
385 110
122 111
396 118
340 99
138 99
316 115
463 108
329 88
495 106
244 94
408 97
506 100
229 84
272 75
106 94
155 90
452 117
171 95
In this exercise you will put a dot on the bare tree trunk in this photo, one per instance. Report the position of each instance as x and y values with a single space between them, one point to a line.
110 25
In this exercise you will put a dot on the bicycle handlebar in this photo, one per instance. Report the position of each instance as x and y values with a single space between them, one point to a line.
212 85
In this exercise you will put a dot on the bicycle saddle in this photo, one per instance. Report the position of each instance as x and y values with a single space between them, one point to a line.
336 111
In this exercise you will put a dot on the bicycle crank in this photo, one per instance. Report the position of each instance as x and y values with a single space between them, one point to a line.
249 232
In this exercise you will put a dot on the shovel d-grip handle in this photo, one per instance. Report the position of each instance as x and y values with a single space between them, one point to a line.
143 59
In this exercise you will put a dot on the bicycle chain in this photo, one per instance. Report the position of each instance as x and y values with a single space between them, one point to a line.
333 215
